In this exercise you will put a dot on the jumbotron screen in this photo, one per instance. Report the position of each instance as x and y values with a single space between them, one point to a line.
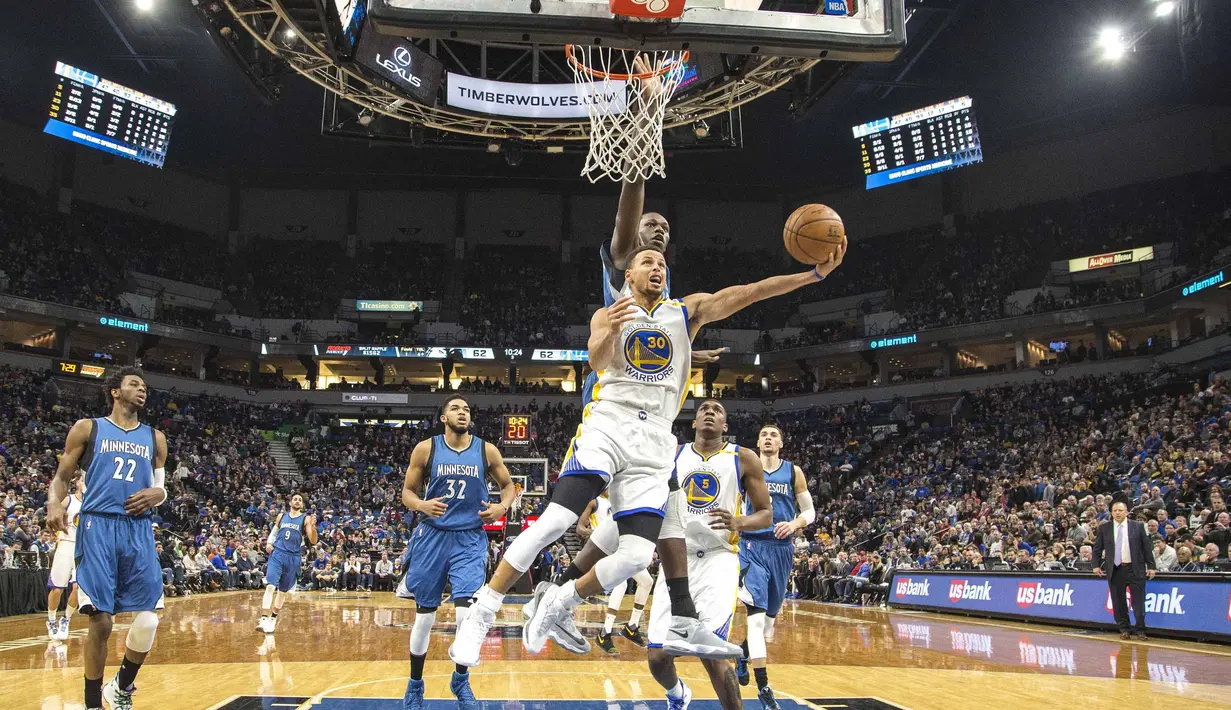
110 117
919 143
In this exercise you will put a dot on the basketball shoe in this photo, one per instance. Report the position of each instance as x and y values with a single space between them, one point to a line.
413 700
116 697
468 639
459 685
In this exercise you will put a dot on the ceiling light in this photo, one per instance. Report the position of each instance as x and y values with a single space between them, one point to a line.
288 34
1111 40
145 5
1164 8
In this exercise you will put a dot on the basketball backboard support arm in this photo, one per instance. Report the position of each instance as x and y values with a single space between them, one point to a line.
876 34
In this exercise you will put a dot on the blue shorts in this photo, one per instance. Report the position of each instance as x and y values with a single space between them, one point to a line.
765 566
282 570
435 555
117 566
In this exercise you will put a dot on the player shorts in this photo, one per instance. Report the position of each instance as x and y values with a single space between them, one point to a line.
63 568
713 580
282 570
117 566
460 556
633 450
766 568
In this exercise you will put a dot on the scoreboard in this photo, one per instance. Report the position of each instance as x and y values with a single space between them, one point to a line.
919 143
101 114
78 369
518 430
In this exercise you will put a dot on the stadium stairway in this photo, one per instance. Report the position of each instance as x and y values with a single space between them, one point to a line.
288 467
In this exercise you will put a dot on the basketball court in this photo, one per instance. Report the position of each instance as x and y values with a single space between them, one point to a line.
347 651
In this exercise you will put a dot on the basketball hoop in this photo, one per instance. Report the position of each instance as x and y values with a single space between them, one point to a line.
626 100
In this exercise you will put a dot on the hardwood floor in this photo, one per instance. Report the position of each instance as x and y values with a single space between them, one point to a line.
349 652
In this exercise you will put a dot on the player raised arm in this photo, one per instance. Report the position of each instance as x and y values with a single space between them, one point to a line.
605 328
807 513
433 508
627 222
498 472
753 479
57 498
706 308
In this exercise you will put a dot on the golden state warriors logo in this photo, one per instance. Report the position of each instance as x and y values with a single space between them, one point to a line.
701 490
648 353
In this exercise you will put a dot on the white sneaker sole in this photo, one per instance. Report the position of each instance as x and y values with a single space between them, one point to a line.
540 590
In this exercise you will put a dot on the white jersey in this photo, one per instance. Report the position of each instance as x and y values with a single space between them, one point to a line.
708 483
74 512
602 511
652 363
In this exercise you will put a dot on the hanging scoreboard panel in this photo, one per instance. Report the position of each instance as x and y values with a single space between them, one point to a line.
918 143
101 114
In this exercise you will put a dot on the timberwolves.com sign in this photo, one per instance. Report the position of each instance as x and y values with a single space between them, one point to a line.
503 98
891 342
1202 284
133 325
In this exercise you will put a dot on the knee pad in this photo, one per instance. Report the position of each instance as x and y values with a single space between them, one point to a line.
141 632
673 520
546 530
633 555
645 583
606 536
769 628
421 632
616 596
756 636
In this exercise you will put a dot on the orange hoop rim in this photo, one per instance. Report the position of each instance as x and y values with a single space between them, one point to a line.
642 76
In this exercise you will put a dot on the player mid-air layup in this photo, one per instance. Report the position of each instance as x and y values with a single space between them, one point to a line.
117 566
641 345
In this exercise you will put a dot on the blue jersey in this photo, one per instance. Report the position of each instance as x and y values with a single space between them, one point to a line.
613 288
460 478
289 535
781 485
117 464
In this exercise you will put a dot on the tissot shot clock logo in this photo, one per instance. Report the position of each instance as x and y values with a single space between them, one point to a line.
399 64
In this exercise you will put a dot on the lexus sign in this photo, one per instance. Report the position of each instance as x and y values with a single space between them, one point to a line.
409 68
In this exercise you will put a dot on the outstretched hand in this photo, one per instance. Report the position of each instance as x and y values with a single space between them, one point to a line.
835 260
623 311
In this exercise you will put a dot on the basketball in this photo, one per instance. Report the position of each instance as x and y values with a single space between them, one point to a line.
812 233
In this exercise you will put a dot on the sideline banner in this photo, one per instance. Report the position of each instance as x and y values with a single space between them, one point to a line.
1191 604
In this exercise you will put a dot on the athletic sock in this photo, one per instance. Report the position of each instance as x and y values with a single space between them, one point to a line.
416 666
93 693
762 677
51 615
489 599
744 647
681 598
635 620
678 691
570 574
127 674
460 669
569 596
609 623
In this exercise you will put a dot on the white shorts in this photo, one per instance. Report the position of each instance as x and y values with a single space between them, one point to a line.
713 580
607 534
634 451
63 566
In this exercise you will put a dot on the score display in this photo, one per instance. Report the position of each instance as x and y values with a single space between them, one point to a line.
918 143
518 430
110 117
78 369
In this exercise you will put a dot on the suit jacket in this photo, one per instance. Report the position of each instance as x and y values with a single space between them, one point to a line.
1140 551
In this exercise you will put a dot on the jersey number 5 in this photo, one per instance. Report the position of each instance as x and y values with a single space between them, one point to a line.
119 474
455 492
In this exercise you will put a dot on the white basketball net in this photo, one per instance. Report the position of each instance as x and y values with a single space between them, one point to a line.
626 115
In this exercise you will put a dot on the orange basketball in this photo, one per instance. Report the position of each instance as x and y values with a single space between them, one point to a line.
812 233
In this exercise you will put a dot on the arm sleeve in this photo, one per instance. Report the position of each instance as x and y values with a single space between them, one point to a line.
273 532
159 481
804 500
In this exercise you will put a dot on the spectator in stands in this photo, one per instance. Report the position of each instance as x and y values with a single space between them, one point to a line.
1165 557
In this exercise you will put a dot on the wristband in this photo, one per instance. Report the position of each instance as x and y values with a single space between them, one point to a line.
819 276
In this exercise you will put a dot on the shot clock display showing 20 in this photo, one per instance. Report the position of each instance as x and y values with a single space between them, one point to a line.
518 430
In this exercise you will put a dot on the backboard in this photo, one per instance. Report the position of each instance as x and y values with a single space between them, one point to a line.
841 30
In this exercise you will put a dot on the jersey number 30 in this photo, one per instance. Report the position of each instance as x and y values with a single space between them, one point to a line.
119 474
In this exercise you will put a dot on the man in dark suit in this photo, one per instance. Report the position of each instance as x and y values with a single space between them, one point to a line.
1124 555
